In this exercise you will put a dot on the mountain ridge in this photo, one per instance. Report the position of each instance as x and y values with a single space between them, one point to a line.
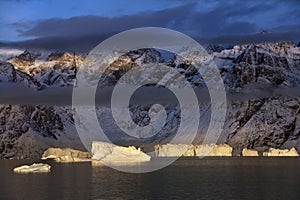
258 123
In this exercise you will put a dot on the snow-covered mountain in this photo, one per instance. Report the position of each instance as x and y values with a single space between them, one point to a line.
10 75
261 111
54 69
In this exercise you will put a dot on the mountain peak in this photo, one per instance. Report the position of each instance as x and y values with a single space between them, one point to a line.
26 58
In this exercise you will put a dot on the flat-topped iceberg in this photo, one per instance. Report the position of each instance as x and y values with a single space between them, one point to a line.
66 155
176 150
249 152
213 150
281 152
34 168
110 153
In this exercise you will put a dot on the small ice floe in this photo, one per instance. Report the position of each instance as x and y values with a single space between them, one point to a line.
34 168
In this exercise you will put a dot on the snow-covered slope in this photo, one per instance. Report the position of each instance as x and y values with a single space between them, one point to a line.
11 76
54 69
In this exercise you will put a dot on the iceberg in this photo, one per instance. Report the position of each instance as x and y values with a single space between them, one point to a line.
249 152
34 168
213 150
110 153
66 155
174 150
281 152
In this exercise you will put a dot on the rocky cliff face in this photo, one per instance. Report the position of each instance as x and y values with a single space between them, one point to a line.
271 119
26 131
266 115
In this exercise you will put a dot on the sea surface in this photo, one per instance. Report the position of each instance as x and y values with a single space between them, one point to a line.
187 178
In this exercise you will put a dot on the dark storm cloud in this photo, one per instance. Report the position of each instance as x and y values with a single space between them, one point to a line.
91 25
208 21
253 39
86 43
184 18
60 43
220 20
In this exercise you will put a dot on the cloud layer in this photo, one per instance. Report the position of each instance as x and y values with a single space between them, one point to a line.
208 21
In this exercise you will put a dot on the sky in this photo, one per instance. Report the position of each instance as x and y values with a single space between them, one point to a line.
54 23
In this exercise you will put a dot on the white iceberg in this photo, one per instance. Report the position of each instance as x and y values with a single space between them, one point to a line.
34 168
110 153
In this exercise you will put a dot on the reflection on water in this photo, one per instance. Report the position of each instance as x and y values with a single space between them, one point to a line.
209 178
66 181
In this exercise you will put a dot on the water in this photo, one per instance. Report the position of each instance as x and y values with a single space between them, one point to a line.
188 178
